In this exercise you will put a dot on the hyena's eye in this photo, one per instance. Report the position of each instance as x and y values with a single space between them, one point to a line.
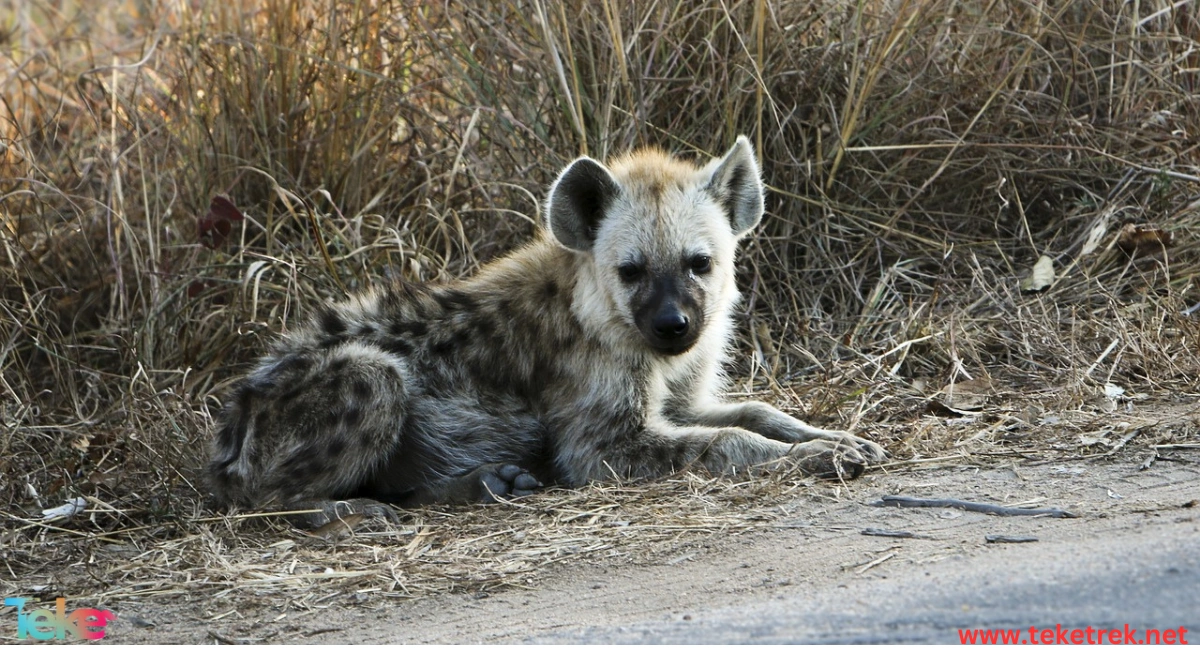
629 272
701 264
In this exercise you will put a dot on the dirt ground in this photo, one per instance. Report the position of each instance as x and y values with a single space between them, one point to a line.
816 554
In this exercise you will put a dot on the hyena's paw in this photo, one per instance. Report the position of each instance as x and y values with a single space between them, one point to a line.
492 482
829 459
872 452
328 511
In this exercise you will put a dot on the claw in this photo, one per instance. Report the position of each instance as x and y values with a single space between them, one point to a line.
870 452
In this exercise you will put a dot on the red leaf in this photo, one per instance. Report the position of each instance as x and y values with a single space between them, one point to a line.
205 288
197 287
216 224
223 208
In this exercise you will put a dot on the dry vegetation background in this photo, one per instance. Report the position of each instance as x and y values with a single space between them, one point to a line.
922 155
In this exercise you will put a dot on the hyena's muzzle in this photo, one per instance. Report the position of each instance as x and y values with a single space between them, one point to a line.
668 310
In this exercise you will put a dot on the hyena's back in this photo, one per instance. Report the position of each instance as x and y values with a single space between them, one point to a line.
389 396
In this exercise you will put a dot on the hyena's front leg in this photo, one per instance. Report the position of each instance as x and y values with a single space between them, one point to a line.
663 449
768 421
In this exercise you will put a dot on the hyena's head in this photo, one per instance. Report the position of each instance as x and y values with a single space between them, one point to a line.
658 236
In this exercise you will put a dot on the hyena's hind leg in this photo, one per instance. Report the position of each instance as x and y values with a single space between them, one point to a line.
310 427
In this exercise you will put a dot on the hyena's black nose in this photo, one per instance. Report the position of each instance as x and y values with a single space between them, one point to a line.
670 325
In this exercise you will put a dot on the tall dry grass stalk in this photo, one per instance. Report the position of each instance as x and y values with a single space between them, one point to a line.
922 156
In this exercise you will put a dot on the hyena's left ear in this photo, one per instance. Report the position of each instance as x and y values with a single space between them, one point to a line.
737 187
578 201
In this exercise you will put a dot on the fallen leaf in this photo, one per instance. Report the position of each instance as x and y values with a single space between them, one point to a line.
338 527
1095 438
1041 276
967 397
100 478
70 509
1096 234
1144 239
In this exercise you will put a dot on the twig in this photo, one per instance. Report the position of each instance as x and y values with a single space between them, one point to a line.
874 563
231 640
1103 355
989 508
901 534
79 533
1009 539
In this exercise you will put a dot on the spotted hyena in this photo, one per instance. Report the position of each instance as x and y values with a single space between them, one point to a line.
595 351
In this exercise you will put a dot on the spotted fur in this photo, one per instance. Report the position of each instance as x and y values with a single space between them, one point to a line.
595 351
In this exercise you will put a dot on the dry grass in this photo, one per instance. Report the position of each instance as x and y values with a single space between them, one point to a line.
435 550
923 155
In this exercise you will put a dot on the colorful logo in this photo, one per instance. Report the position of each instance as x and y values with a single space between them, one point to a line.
44 624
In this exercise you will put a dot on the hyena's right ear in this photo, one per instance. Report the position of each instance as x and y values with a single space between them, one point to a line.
578 200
